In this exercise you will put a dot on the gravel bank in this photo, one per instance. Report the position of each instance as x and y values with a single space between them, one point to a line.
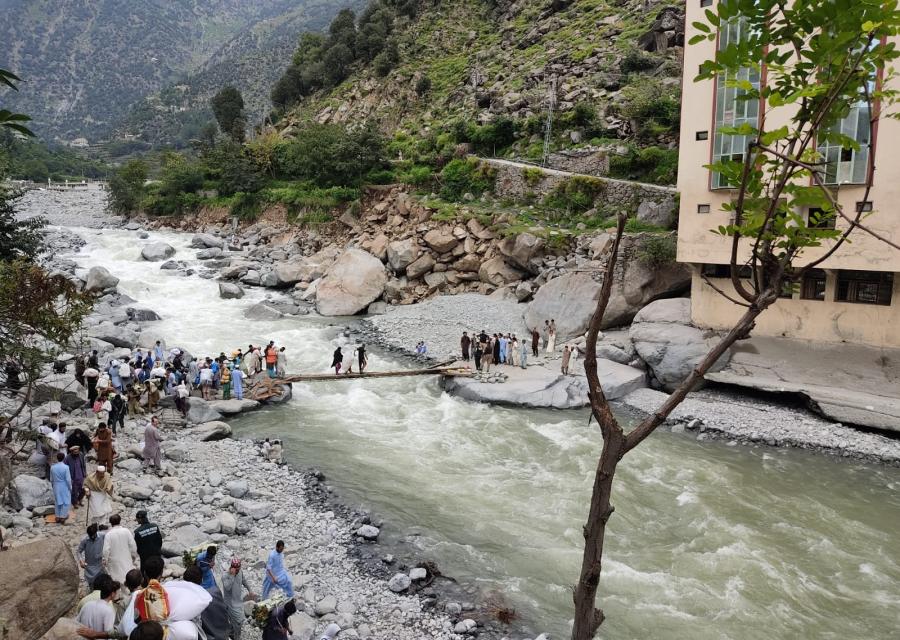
441 321
729 415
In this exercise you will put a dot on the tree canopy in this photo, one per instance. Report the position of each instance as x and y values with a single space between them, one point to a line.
228 108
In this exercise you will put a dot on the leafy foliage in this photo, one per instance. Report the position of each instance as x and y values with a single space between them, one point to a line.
31 159
330 155
657 251
228 108
19 239
657 165
126 188
462 176
652 107
575 195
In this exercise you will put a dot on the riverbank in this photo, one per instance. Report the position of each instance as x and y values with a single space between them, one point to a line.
497 495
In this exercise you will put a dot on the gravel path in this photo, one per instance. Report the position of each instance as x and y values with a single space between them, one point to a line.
730 415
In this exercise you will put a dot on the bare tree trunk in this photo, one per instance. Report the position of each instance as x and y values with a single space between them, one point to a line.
616 443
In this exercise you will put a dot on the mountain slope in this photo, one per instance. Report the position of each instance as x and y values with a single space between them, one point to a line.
613 67
83 60
252 61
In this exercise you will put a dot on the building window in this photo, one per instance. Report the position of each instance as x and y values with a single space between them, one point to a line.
817 218
865 287
813 287
848 166
733 108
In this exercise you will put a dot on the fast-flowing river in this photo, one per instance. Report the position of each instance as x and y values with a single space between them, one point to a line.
708 541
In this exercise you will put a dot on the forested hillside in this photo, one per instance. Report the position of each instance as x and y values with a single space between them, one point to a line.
85 61
482 72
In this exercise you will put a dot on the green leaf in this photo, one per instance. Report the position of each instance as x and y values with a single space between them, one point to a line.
712 17
773 136
701 26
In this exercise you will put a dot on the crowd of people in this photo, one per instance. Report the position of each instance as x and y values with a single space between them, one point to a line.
507 349
128 598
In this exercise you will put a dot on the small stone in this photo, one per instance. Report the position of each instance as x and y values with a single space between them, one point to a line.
399 583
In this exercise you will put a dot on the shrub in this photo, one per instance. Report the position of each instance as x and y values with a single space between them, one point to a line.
657 251
330 155
653 107
532 176
381 176
463 176
234 170
417 175
575 195
492 138
423 85
656 165
246 206
126 187
636 61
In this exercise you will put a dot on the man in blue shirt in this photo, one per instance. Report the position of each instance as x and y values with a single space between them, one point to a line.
206 562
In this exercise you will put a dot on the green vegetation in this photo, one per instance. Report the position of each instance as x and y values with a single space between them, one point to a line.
656 165
31 159
575 195
468 176
228 108
126 187
653 107
658 251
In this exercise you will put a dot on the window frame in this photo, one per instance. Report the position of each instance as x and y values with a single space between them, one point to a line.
810 282
882 281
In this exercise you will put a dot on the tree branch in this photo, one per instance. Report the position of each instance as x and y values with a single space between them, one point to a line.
723 294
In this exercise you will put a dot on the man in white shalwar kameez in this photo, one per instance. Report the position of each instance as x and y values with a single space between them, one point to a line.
99 488
119 550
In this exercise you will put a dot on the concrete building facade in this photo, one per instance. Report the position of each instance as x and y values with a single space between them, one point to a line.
855 296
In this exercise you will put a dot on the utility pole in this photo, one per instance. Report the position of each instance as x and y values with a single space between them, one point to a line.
548 125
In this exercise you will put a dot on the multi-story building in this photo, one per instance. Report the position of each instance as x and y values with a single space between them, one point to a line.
854 296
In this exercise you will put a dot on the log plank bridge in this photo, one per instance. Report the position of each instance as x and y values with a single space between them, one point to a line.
264 387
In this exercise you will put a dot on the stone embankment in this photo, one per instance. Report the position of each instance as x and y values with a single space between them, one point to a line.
397 253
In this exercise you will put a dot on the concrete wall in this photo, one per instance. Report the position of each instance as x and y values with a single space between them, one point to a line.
817 320
518 182
827 320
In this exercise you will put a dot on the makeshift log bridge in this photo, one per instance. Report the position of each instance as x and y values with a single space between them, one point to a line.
263 387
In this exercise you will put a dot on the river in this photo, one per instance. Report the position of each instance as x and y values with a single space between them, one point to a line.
708 540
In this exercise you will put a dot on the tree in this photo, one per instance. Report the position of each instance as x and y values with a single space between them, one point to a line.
126 188
331 155
228 108
19 239
40 314
843 45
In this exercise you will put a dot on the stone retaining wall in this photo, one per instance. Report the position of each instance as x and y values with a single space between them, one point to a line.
521 182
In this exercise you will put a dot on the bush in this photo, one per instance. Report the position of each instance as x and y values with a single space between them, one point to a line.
657 251
493 138
532 176
423 85
381 176
636 61
653 107
233 169
330 155
656 165
126 188
463 176
246 206
575 195
417 175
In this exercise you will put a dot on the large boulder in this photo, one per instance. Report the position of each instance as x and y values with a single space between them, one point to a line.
141 314
116 335
401 254
521 249
207 241
496 272
233 406
213 430
660 214
352 283
637 283
157 252
209 254
28 492
199 412
441 240
38 585
570 300
100 279
181 539
230 290
420 266
263 311
62 388
665 339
